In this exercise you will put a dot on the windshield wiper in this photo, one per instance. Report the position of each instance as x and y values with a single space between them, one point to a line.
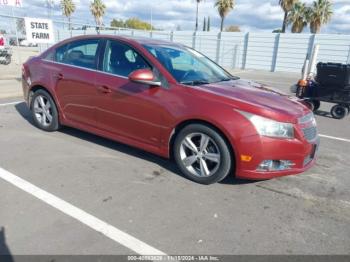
195 82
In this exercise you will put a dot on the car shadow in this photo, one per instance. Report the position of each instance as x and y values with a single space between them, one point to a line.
323 113
5 254
167 164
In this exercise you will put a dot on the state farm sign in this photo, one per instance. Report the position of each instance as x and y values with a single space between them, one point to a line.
39 31
17 3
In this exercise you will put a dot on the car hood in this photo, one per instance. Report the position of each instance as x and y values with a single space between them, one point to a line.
257 98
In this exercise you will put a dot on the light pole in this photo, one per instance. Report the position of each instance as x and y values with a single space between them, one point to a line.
49 4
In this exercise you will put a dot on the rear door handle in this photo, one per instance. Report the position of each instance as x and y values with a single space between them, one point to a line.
104 89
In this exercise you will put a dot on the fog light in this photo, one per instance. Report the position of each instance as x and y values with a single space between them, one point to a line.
275 165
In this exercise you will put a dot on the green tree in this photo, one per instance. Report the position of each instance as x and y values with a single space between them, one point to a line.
68 8
320 14
136 23
286 5
298 17
98 8
276 31
117 23
233 28
224 7
205 24
197 10
208 24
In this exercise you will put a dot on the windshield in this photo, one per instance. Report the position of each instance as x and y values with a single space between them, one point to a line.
188 66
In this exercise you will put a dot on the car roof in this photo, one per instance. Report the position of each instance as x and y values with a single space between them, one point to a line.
131 39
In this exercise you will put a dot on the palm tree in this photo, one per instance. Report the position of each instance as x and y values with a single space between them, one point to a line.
197 1
224 7
68 8
286 5
98 8
298 17
320 13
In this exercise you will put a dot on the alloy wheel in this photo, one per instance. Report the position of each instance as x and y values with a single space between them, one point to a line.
200 154
43 110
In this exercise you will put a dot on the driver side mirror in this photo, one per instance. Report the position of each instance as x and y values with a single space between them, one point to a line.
144 76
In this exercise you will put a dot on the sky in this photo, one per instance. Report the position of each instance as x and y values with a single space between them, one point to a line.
249 15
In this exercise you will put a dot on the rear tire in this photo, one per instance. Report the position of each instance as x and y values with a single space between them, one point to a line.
202 154
44 111
339 111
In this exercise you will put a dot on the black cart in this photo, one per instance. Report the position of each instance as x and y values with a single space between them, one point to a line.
332 85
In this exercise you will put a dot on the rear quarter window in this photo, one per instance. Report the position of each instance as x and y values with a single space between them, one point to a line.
82 53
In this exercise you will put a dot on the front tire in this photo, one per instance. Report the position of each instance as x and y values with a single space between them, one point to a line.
202 154
44 111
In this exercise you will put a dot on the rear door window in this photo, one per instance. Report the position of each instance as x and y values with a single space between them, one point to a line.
120 59
82 53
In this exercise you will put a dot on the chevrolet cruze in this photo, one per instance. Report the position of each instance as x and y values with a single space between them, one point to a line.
173 101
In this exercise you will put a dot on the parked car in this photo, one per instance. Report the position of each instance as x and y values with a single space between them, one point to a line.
26 43
5 51
173 101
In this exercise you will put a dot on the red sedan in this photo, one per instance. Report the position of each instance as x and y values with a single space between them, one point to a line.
173 101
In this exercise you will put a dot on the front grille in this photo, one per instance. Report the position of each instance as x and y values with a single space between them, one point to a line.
310 133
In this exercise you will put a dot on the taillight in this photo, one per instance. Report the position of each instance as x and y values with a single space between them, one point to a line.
2 41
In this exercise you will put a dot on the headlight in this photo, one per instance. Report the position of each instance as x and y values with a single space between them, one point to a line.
269 127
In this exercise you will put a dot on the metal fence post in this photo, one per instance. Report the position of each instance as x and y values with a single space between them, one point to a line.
275 53
235 55
218 48
245 51
311 45
194 38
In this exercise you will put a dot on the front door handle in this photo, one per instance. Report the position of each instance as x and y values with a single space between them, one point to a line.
104 89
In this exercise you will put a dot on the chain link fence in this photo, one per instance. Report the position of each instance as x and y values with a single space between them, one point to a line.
262 51
12 28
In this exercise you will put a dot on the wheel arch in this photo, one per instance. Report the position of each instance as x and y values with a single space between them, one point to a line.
187 122
35 88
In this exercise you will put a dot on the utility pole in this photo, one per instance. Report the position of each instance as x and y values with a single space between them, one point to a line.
14 24
49 4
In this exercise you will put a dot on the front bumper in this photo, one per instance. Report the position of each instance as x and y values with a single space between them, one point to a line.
301 152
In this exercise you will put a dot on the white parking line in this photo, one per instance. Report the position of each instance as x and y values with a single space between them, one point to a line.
100 226
11 103
336 138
